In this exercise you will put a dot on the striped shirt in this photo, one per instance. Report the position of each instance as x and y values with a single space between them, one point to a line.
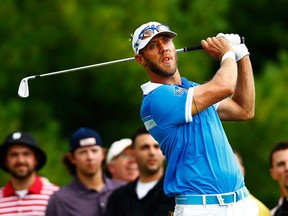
33 203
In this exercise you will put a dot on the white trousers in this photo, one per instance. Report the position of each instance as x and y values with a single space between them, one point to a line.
244 207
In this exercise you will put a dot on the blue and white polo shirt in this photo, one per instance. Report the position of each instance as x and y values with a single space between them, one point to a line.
200 158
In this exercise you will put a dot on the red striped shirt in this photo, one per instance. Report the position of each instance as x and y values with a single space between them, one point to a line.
33 203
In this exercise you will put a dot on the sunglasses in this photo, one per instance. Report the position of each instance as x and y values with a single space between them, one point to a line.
149 32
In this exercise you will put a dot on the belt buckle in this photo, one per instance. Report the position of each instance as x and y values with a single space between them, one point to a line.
221 200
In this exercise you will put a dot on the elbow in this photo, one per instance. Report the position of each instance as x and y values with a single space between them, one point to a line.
229 85
229 89
248 115
251 115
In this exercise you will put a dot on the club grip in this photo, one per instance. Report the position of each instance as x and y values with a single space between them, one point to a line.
188 49
198 47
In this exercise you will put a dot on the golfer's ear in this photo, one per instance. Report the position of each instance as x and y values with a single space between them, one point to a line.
140 59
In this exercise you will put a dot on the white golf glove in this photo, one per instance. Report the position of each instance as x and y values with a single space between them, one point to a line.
235 40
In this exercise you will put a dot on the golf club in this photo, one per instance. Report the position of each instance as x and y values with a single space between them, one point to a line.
23 90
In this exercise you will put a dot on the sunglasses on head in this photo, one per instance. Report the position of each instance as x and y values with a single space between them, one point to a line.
148 32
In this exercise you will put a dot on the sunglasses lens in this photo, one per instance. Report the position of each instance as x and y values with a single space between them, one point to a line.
147 33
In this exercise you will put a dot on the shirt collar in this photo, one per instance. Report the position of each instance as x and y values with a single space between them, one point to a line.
109 184
149 86
35 188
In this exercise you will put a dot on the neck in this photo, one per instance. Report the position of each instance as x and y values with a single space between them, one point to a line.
93 181
175 79
144 177
21 184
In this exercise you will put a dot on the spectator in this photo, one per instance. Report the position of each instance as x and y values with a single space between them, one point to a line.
278 161
87 193
26 193
144 196
255 203
121 163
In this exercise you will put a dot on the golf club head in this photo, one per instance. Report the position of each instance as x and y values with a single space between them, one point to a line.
23 90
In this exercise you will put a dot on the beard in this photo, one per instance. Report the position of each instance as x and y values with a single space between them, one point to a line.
150 171
21 174
159 71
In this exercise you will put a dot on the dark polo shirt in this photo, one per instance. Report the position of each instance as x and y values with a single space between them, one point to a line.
75 199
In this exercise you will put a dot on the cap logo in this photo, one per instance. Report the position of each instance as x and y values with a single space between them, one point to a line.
87 141
16 135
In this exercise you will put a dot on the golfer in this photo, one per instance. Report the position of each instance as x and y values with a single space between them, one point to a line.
185 118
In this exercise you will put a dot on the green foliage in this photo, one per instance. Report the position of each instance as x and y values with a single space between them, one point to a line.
44 36
255 139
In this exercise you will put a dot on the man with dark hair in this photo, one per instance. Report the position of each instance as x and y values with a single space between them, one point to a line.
87 193
278 161
26 193
145 195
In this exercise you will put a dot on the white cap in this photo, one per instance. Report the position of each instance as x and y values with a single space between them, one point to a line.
139 41
117 148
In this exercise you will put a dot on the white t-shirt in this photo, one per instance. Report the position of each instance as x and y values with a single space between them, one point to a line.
143 188
21 193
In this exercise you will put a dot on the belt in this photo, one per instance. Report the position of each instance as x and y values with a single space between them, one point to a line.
220 199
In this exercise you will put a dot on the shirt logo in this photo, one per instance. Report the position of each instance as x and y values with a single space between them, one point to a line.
179 91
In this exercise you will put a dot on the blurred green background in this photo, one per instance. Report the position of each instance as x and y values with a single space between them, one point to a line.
45 36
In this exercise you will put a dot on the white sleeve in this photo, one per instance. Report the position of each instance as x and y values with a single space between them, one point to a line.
188 108
216 105
189 101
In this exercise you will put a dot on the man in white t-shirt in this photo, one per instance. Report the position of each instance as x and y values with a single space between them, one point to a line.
145 195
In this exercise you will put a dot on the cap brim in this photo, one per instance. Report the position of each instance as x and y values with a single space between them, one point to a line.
116 151
147 40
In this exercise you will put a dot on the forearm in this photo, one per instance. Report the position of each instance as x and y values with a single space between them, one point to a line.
244 94
220 87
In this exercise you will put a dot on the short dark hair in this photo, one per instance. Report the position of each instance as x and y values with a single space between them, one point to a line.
278 147
138 132
69 165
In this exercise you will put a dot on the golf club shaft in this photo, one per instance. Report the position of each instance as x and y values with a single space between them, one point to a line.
185 49
23 90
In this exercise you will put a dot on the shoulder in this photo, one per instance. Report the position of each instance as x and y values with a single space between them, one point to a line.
124 189
1 192
47 185
66 192
112 184
273 210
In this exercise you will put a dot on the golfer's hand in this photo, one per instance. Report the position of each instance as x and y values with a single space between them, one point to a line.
235 40
216 47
